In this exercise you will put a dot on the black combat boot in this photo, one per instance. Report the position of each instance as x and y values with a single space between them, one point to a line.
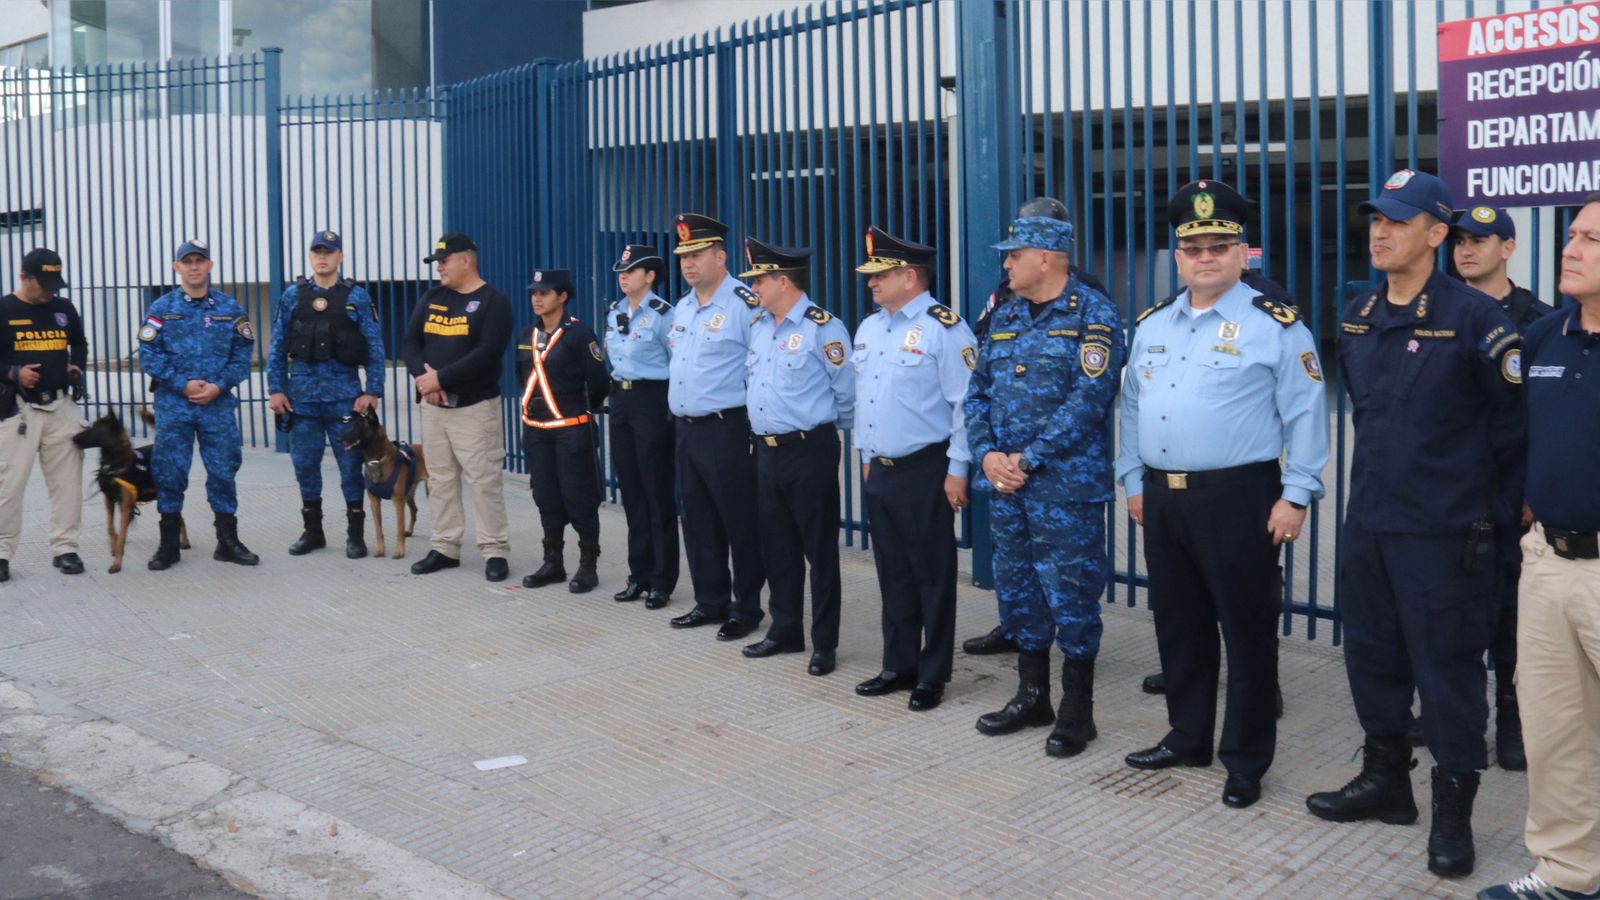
1450 853
586 578
1031 706
1508 727
312 537
1382 791
355 540
166 555
229 549
1075 718
993 642
554 568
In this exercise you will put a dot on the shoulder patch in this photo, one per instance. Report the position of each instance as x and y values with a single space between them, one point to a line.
944 315
1283 315
1511 365
594 351
818 315
748 296
245 331
834 352
1152 310
660 306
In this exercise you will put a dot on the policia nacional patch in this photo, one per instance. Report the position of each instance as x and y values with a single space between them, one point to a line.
1313 368
970 357
1094 358
834 351
1511 366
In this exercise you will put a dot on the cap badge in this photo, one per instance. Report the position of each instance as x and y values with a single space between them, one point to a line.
1398 180
329 236
870 251
439 246
626 254
200 244
538 276
1484 214
50 268
1204 205
683 231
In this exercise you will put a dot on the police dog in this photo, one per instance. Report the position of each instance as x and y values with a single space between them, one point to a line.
124 477
391 471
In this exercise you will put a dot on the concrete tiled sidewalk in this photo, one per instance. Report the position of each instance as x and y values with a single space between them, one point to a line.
664 763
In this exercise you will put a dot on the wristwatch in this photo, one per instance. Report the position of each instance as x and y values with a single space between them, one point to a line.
1025 466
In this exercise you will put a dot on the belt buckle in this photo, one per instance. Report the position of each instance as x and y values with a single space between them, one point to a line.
1177 481
1558 540
886 461
771 439
627 385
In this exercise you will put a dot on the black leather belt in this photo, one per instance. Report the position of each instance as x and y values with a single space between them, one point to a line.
637 384
1184 481
940 449
1573 544
43 397
778 440
736 413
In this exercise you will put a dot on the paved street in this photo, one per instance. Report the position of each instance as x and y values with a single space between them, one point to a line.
352 699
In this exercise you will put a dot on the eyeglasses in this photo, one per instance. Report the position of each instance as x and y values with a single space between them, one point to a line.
1218 249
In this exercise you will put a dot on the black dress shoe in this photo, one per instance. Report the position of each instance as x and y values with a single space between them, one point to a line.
633 591
657 599
1240 790
432 563
769 647
1154 684
5 569
925 696
696 617
885 683
68 563
496 569
733 630
822 662
1159 757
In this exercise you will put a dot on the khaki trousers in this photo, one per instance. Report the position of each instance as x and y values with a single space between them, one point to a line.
466 441
48 437
1558 689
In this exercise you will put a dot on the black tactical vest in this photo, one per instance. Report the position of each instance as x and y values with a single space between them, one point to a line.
323 328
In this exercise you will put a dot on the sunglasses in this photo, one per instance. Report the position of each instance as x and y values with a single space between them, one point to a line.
1217 250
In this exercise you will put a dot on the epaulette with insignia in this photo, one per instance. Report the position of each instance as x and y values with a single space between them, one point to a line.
1283 315
613 307
818 315
1152 310
748 296
660 305
944 315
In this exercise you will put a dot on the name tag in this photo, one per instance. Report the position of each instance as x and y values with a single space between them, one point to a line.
1355 328
1003 336
1546 371
1436 334
1061 332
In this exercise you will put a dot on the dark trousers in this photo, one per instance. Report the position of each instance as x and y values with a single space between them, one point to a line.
797 492
717 480
1508 565
563 470
643 448
1416 620
1213 567
914 546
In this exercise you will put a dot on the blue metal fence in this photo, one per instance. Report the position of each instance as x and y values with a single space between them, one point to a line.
932 119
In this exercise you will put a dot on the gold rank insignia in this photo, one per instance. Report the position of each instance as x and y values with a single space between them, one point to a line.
834 351
818 315
1283 315
944 315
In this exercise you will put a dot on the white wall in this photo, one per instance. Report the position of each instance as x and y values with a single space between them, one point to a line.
21 20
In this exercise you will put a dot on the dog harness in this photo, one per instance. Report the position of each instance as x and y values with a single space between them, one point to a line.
537 381
137 480
405 458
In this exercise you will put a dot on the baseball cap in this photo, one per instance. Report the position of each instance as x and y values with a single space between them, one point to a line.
191 247
44 266
452 242
327 240
1486 221
1408 192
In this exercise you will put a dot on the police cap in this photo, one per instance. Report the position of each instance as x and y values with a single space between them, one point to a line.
453 242
767 259
1485 221
886 252
558 280
697 232
44 266
636 255
1207 206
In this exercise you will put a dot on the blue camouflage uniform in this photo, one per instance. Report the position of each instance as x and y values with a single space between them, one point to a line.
1044 387
323 391
185 339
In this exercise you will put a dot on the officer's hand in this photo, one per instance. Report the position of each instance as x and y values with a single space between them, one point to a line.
1001 472
28 375
428 381
193 388
280 405
1527 516
365 403
1285 522
866 470
1136 509
73 371
433 398
205 395
955 490
1016 466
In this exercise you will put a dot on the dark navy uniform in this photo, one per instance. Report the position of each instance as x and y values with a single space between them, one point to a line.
1438 448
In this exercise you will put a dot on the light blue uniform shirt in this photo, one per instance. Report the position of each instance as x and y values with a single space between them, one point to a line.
709 346
1227 387
641 354
799 373
911 379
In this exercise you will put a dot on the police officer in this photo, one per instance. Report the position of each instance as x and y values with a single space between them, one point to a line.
563 375
1433 368
195 346
913 359
1558 683
1221 380
801 393
642 451
1484 239
1039 421
453 347
42 355
710 340
324 330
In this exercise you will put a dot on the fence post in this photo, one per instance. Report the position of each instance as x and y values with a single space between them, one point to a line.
985 116
272 143
1380 99
728 175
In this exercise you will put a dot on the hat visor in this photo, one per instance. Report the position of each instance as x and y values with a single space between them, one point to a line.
435 257
632 264
1390 208
1469 225
324 245
1014 244
874 266
694 246
50 282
